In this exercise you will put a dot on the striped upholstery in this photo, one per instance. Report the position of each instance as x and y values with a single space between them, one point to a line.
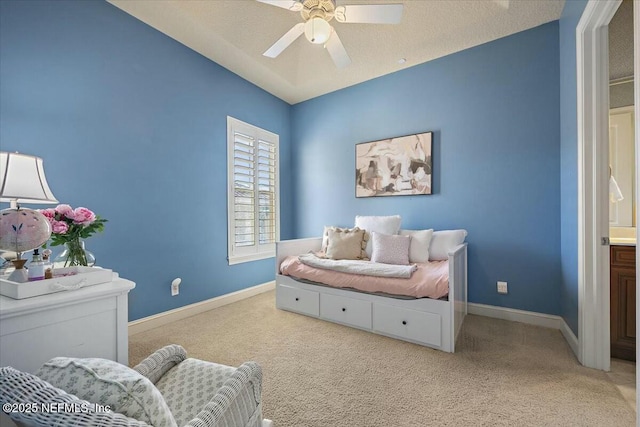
232 397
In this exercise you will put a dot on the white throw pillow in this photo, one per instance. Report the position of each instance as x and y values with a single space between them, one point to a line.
390 249
379 224
109 383
443 241
325 236
420 241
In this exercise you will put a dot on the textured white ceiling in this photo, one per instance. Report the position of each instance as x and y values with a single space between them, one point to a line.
235 33
621 42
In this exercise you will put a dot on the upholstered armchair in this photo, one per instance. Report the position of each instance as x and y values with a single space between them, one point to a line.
165 389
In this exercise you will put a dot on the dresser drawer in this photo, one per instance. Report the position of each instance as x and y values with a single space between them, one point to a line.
624 256
298 300
345 310
409 324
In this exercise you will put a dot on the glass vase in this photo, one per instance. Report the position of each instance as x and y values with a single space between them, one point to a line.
74 254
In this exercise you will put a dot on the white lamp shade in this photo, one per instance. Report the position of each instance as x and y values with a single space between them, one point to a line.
22 179
317 30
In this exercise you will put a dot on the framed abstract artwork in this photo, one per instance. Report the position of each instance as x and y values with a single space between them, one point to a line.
398 166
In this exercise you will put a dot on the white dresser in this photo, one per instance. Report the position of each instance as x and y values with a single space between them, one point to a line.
88 322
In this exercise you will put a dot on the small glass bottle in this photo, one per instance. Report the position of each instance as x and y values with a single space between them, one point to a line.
48 266
36 267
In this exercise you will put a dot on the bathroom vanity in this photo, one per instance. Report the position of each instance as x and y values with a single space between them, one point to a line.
623 300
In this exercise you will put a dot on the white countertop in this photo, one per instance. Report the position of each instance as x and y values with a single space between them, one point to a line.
622 241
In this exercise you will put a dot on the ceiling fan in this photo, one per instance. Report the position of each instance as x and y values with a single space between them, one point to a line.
316 27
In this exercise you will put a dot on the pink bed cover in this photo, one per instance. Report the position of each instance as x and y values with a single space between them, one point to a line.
430 280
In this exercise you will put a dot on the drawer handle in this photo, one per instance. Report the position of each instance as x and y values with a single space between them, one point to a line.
404 322
297 299
344 309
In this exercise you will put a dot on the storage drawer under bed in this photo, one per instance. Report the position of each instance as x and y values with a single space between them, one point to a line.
298 300
348 311
408 324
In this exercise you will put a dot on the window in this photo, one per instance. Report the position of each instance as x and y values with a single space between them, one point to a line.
253 202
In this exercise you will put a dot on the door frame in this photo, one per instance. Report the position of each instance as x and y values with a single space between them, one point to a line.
636 102
592 66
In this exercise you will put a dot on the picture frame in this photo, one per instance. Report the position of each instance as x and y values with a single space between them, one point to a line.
400 166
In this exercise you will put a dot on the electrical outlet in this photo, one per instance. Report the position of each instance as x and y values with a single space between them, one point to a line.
175 287
502 287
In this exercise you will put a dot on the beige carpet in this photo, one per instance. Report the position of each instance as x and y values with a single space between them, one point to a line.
321 374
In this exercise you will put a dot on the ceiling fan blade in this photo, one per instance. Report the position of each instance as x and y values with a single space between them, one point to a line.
292 5
285 41
369 14
337 51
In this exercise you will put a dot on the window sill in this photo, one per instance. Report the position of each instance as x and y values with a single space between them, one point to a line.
239 259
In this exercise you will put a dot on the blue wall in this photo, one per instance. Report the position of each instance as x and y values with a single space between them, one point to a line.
132 125
494 110
569 162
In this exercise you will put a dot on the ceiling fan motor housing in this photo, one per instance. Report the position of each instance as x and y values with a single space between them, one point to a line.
318 9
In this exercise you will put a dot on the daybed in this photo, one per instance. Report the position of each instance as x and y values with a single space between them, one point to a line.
430 322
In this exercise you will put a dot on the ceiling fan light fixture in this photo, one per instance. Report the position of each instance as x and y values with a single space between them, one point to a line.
317 30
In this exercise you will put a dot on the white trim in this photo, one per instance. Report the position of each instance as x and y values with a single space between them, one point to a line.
514 315
238 259
161 319
593 153
621 81
636 73
622 110
571 338
257 251
528 317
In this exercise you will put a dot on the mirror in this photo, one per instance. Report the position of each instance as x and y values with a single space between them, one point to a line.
622 167
622 206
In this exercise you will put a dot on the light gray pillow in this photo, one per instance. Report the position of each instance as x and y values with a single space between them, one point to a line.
390 249
380 224
109 383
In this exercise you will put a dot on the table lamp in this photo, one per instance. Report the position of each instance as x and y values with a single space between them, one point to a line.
22 180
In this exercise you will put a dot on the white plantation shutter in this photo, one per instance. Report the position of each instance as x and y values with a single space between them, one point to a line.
253 192
244 190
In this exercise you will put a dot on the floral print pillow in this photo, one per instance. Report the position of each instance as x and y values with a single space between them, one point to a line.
109 383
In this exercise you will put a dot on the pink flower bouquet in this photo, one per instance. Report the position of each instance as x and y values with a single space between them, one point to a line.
69 226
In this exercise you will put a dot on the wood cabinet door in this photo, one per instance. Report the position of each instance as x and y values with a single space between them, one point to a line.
623 312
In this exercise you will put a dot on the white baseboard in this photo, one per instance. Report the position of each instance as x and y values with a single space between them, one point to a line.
522 316
161 319
529 317
571 338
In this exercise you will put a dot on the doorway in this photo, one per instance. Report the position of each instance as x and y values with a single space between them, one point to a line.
622 203
593 172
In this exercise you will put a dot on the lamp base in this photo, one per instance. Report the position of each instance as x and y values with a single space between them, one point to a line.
20 274
23 229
